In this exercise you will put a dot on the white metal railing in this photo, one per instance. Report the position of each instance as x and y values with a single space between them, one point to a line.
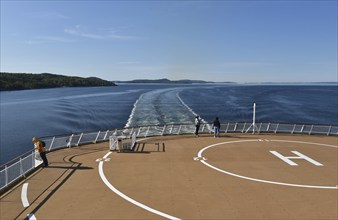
11 172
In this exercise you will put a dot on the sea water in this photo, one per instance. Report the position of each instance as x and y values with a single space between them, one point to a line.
49 112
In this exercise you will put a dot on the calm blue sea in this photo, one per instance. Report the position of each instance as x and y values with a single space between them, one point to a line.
48 112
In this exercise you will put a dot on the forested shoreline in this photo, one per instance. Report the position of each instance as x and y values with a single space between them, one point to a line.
21 81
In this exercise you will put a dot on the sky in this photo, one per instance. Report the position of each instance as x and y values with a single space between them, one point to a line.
238 41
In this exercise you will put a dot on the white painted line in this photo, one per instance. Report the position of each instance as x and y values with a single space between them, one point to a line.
199 158
31 217
260 180
213 145
103 177
266 181
302 156
24 198
285 159
303 142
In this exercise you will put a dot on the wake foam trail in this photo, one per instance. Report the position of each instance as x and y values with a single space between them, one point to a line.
163 106
192 111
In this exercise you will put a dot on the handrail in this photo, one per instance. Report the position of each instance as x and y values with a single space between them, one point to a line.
13 170
15 159
173 124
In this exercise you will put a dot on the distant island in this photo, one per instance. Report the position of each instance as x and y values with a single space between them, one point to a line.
183 81
20 81
188 81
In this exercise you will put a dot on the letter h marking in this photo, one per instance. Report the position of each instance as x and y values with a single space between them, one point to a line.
299 156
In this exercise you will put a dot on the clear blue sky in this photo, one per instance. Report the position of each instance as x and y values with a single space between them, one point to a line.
239 41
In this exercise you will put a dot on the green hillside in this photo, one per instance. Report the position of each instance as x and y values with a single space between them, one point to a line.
19 81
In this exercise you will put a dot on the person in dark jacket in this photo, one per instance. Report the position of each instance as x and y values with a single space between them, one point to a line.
217 127
197 125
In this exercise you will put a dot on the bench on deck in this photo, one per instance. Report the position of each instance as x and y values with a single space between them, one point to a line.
121 143
158 144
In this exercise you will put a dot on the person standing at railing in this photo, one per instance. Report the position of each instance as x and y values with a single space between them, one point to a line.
217 127
41 149
197 124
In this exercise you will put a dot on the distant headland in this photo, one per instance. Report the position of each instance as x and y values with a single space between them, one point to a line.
166 81
21 81
188 81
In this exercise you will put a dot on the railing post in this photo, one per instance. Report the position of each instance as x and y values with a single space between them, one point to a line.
115 132
69 144
260 126
33 158
301 130
51 144
328 133
21 168
130 132
163 130
97 136
268 127
78 142
226 130
105 136
235 128
311 130
139 131
254 118
276 128
146 135
179 130
244 127
171 129
293 130
134 130
6 175
203 128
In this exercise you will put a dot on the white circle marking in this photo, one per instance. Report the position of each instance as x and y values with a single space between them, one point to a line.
260 180
112 188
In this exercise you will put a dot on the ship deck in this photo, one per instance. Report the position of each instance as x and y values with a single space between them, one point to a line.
236 176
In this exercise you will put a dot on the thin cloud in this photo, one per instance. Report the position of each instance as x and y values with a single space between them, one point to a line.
129 63
82 32
245 64
48 39
48 15
77 32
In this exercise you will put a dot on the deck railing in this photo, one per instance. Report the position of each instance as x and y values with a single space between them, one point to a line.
15 170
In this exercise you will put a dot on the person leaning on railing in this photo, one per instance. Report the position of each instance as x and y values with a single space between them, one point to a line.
41 149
